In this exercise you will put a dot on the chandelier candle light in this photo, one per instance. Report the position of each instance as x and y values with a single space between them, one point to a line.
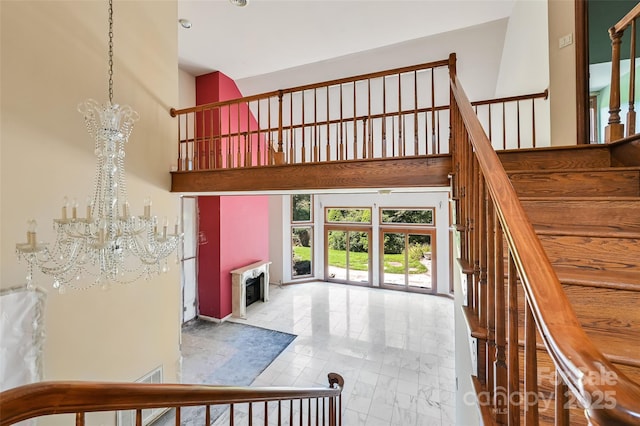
109 244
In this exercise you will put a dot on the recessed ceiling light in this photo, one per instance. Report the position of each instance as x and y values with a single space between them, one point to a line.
185 23
240 3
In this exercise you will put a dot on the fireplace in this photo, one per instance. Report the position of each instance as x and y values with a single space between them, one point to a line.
248 285
254 288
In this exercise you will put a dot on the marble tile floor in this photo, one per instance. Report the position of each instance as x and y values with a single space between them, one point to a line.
395 350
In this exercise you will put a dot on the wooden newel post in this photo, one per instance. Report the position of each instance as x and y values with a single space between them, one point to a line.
278 156
615 129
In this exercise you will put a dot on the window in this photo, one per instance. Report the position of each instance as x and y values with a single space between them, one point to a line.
348 215
407 217
301 235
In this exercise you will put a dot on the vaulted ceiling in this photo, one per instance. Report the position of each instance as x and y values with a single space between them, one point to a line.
271 44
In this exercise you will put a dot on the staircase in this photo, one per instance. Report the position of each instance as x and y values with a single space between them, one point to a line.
586 214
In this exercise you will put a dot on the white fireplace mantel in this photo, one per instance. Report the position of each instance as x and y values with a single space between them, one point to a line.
239 290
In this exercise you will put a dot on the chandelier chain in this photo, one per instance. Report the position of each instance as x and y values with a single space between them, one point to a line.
111 51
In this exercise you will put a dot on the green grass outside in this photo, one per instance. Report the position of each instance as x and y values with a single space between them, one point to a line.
360 261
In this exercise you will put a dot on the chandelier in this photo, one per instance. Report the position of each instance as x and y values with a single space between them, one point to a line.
109 244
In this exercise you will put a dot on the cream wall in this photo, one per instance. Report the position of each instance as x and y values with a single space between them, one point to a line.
524 66
54 55
562 72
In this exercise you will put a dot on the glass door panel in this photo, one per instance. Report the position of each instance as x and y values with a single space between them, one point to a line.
419 259
407 260
337 255
394 262
358 257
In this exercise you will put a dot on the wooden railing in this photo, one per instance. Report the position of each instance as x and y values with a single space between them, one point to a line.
245 405
615 129
488 213
403 112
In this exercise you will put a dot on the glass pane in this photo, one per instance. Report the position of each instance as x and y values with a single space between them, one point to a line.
417 216
419 261
358 270
301 208
301 244
337 254
394 258
349 215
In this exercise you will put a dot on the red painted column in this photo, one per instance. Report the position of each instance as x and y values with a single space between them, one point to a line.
234 230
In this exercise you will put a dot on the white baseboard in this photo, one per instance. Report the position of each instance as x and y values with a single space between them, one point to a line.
212 319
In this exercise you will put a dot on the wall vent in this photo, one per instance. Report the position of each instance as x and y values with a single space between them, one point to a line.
128 418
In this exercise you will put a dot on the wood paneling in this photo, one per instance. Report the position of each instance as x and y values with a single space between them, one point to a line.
382 173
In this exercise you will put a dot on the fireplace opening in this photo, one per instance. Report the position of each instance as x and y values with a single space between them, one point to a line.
254 289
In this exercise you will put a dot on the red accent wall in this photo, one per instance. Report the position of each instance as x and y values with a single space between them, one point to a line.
234 229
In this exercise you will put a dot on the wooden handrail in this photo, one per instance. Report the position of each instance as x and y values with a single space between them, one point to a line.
623 23
64 397
585 370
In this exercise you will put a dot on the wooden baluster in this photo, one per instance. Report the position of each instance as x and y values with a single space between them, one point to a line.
364 137
180 166
138 417
561 402
304 150
501 399
399 115
370 138
384 117
212 153
614 130
248 153
435 149
80 419
301 414
279 155
438 131
291 412
338 140
530 367
207 415
513 390
188 165
178 414
393 136
489 246
631 114
279 412
316 157
266 410
483 311
238 134
355 130
317 411
328 148
291 155
341 156
229 139
258 141
415 113
533 122
504 128
518 121
332 411
219 164
250 414
404 136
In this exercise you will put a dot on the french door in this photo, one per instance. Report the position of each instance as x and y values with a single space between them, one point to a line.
407 259
347 254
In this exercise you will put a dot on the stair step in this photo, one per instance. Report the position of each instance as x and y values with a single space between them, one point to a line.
588 277
621 182
584 156
609 253
599 213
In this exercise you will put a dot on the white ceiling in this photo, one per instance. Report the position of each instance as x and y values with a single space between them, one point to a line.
308 39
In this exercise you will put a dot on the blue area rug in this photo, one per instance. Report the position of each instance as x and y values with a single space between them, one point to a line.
225 353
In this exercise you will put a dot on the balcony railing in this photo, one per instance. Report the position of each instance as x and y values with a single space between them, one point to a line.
398 113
